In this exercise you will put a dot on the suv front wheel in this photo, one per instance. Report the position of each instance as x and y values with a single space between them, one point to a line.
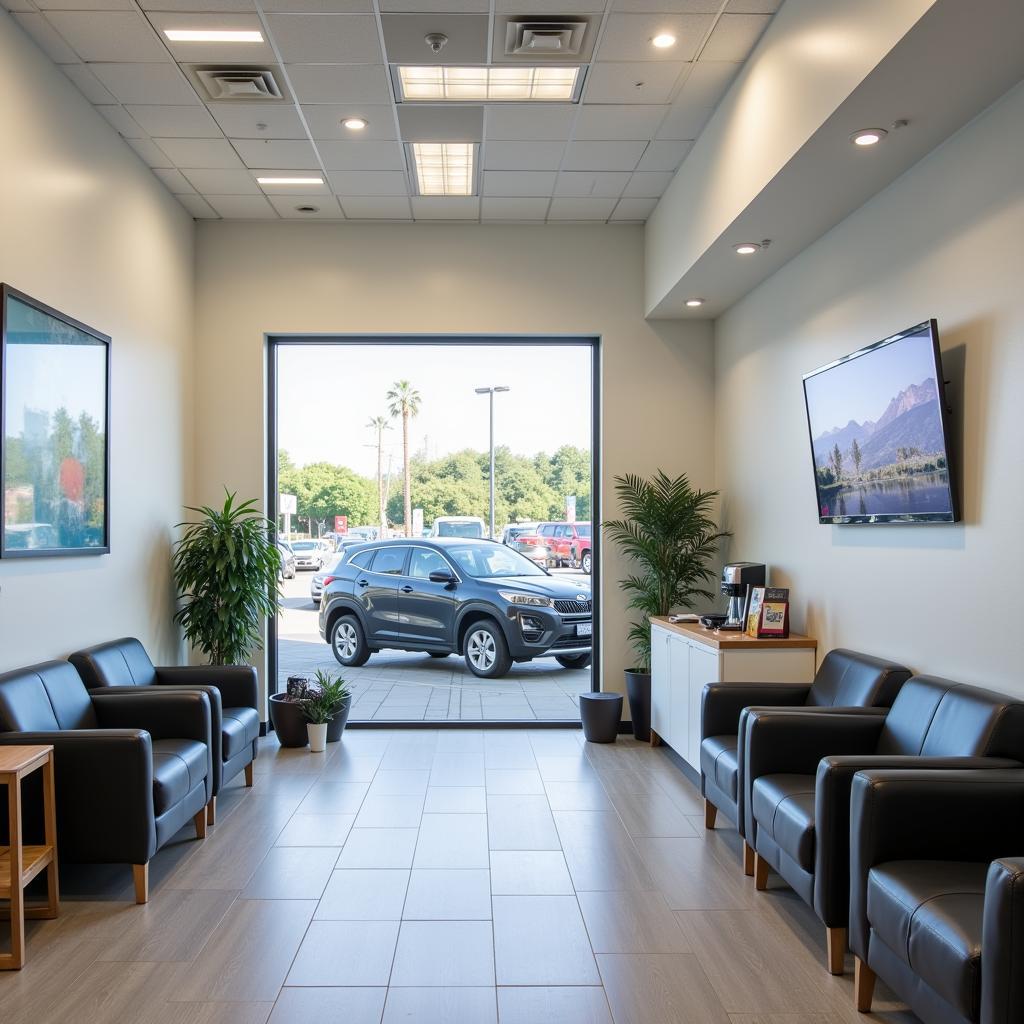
348 642
486 651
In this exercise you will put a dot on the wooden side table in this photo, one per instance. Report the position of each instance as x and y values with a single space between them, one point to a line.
19 864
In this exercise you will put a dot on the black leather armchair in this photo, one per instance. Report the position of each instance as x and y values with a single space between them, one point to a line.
131 770
845 679
799 771
233 691
936 897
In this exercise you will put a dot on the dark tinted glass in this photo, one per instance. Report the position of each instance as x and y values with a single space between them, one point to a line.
424 562
390 561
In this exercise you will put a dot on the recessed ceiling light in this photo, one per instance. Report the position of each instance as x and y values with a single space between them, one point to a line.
664 40
354 124
469 85
189 35
868 136
747 248
290 181
444 168
694 303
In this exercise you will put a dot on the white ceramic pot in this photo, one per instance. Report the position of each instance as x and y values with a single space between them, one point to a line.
317 737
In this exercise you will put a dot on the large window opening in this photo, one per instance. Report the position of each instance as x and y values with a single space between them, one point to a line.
436 503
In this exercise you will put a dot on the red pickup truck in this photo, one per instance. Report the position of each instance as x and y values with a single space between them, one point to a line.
568 544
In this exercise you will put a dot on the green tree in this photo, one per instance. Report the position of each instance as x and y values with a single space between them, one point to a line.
326 490
837 463
857 455
404 402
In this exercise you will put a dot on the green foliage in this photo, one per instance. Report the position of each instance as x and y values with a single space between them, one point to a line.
225 570
324 698
667 531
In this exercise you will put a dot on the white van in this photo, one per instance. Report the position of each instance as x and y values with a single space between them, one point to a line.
459 526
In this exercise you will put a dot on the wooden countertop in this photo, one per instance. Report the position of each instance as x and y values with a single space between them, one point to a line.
733 641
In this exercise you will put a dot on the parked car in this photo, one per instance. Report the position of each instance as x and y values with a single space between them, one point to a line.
513 530
286 571
319 581
530 545
458 526
454 595
579 547
309 554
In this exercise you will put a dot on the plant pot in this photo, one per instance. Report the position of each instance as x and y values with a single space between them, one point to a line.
336 726
638 689
317 737
289 721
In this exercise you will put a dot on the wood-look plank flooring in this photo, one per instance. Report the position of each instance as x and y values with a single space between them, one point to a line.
463 877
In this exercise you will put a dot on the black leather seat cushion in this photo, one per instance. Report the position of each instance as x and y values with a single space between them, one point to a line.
178 767
240 727
783 806
929 914
718 761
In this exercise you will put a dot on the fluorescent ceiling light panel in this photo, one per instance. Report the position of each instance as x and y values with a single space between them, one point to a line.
189 35
290 181
472 85
445 168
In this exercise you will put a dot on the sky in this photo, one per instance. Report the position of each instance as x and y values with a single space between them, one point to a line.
328 393
862 388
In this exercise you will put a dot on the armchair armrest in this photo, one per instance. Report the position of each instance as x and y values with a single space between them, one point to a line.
104 786
1002 980
178 714
722 703
238 684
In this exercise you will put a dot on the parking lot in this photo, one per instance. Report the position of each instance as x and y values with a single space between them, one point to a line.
400 686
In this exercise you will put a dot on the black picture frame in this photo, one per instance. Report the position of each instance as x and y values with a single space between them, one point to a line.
33 543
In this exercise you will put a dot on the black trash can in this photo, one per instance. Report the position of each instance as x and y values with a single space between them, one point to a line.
600 714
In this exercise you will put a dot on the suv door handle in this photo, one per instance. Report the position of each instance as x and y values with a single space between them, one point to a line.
407 589
363 583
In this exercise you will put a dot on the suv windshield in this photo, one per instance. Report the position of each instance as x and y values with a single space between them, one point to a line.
493 561
304 545
459 530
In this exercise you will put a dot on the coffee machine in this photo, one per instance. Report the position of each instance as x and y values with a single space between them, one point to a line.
737 577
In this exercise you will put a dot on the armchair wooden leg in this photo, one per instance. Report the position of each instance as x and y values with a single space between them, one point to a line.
199 820
748 860
140 873
710 814
835 943
211 811
760 873
863 985
248 774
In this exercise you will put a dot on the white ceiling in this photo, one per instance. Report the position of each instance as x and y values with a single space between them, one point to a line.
606 158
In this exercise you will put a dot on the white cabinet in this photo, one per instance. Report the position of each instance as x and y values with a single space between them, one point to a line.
685 658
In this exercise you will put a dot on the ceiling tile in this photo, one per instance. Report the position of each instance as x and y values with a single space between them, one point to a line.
632 82
648 183
404 38
513 209
446 207
523 156
281 153
221 183
150 152
187 5
88 84
78 5
175 181
684 122
258 120
520 121
145 83
591 183
109 35
213 53
324 120
330 38
544 6
668 6
519 183
242 207
581 209
362 156
197 206
327 207
708 81
628 36
320 6
734 36
168 121
753 6
208 153
376 207
47 38
619 121
460 122
369 183
663 156
603 156
323 83
122 122
632 208
430 6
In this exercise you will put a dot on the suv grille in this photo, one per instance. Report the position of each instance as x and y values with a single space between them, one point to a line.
573 607
572 641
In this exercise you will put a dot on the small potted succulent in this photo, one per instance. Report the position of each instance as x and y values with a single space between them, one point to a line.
326 704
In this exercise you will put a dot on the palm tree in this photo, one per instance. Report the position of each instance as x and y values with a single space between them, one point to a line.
404 401
380 424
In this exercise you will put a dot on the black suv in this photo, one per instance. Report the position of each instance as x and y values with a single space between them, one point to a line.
452 595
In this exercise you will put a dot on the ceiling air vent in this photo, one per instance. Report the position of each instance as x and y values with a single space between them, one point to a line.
550 37
240 83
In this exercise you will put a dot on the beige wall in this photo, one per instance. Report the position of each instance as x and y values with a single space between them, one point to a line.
86 228
944 241
429 279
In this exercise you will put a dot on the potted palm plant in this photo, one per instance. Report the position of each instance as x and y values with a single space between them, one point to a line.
669 535
327 701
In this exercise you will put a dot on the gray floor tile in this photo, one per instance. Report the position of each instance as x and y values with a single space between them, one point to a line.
452 841
364 895
448 895
351 1005
379 848
529 873
440 1006
444 953
541 940
345 953
577 1004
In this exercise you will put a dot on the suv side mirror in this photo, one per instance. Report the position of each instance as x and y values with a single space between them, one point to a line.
441 576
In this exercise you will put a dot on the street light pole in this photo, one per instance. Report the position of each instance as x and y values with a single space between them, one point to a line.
491 392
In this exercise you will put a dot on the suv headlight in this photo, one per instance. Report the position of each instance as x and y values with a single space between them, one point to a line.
531 600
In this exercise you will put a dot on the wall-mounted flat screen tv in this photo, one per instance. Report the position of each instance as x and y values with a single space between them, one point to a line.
880 433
